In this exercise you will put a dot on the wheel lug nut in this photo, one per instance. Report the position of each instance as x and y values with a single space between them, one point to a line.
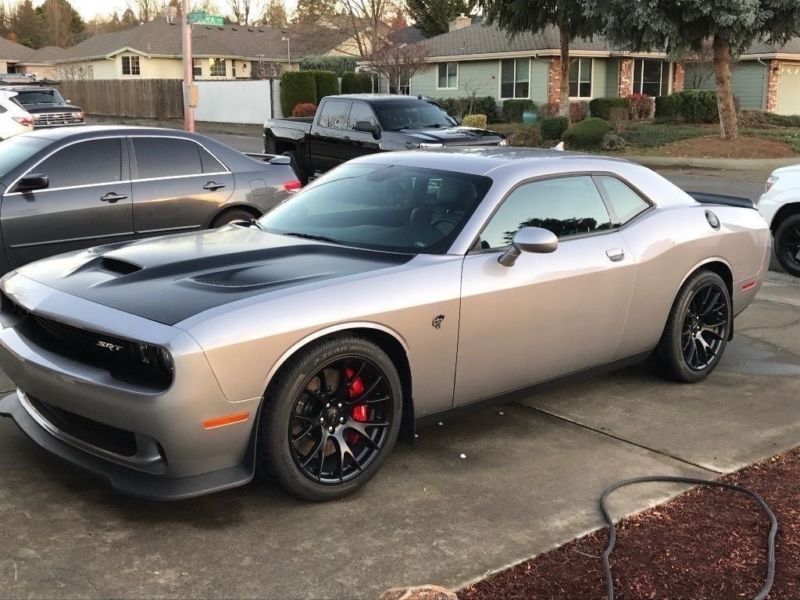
339 405
328 405
341 419
322 419
330 430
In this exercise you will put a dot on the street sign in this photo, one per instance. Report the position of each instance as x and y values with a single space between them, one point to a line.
201 17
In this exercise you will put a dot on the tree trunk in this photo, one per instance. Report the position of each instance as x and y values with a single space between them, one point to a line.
563 101
729 126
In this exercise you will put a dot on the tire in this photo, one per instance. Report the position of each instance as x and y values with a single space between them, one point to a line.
697 330
304 455
298 170
787 244
234 214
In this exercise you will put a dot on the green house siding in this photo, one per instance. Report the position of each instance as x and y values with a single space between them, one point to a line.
599 78
612 78
539 80
749 82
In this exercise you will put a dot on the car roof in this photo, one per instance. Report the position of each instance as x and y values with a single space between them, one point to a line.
88 131
27 88
377 97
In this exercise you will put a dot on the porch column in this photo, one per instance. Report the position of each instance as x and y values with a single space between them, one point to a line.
554 81
625 87
773 74
678 76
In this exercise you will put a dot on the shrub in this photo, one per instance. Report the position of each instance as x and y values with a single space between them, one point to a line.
553 127
641 106
297 87
304 109
618 118
338 64
513 109
520 134
612 141
476 120
356 83
601 107
758 119
578 111
458 107
698 106
327 84
667 107
586 134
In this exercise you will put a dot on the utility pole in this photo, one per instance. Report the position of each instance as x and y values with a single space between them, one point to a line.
189 90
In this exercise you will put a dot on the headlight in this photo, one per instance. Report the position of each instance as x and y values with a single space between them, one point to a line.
771 180
503 142
424 145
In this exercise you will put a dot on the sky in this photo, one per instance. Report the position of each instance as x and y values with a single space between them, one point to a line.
90 8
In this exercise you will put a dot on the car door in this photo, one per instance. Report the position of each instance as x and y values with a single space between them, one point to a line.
87 202
548 314
329 142
178 184
361 142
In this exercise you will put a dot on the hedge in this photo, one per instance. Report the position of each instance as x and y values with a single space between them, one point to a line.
601 107
297 87
356 83
338 64
513 109
693 106
587 134
666 107
553 127
458 107
327 84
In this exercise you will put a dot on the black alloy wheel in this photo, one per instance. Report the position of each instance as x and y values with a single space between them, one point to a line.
705 326
787 244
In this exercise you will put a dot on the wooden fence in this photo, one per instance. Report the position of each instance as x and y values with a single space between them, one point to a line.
143 98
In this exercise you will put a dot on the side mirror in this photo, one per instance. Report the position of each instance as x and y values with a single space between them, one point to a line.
368 127
33 182
529 239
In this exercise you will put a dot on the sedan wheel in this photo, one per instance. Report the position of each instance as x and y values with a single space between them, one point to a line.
330 418
698 328
787 244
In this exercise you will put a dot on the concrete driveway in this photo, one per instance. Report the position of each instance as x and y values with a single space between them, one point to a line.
529 482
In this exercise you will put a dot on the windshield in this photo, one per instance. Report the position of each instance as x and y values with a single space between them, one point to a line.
16 150
395 116
36 97
383 207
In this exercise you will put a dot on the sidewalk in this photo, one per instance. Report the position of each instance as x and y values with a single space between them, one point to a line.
716 164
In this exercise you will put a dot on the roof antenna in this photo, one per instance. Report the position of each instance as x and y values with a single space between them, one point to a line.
559 146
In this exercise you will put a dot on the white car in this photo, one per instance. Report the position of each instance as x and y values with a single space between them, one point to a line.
13 118
780 207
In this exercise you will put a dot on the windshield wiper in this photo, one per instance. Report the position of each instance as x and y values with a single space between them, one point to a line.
312 236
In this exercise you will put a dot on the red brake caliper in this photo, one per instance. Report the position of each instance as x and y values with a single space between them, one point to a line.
359 412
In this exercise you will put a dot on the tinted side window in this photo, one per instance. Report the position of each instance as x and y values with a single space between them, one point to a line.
210 164
165 157
361 112
625 203
334 114
85 163
567 206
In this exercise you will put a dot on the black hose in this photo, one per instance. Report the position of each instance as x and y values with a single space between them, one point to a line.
612 530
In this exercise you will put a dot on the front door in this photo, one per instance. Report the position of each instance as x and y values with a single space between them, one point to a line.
549 314
330 139
87 203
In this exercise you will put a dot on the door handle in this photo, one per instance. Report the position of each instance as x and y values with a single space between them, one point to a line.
615 254
111 197
213 186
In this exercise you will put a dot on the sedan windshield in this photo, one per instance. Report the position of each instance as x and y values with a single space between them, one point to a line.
395 116
384 207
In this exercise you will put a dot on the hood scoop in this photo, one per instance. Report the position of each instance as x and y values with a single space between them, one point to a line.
117 266
252 277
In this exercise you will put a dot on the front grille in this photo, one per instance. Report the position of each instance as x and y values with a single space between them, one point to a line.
126 360
106 437
55 119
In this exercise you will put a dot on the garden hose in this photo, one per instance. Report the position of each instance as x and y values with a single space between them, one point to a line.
612 530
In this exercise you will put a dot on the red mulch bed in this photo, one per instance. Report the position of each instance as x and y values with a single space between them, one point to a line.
704 544
712 146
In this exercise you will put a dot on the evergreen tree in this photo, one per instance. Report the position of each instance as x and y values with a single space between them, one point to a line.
433 17
275 14
27 25
129 19
62 24
311 11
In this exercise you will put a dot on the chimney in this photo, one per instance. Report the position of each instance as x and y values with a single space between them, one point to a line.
171 14
460 22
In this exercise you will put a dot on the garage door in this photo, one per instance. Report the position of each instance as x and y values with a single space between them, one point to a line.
789 89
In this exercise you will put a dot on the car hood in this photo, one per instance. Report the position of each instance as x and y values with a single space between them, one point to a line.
50 108
172 278
452 136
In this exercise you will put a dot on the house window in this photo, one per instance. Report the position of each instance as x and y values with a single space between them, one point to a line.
197 68
448 76
130 65
515 78
217 67
650 77
580 78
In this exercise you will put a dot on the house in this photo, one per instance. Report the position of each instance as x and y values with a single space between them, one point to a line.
480 59
11 54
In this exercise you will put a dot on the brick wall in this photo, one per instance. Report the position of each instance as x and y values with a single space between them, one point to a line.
554 81
678 76
625 86
773 73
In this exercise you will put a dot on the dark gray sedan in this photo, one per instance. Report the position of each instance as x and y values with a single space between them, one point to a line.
68 189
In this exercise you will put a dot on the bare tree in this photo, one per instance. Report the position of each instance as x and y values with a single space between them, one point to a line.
245 12
367 20
146 10
398 63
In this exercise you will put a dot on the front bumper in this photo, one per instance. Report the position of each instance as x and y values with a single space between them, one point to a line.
175 456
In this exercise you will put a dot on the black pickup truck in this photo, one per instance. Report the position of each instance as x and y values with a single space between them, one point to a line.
352 125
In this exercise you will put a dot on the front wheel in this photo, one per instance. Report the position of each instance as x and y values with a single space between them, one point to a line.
330 418
697 330
787 244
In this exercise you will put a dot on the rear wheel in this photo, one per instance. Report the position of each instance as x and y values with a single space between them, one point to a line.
229 216
330 418
787 244
697 330
298 170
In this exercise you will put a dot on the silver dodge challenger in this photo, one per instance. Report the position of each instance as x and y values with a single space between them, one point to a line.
393 289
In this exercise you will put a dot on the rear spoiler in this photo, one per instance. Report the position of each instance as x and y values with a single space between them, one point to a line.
272 159
708 198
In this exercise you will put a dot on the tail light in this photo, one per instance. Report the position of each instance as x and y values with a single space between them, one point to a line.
292 185
27 121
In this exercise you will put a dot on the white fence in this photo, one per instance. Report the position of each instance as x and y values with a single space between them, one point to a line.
248 102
